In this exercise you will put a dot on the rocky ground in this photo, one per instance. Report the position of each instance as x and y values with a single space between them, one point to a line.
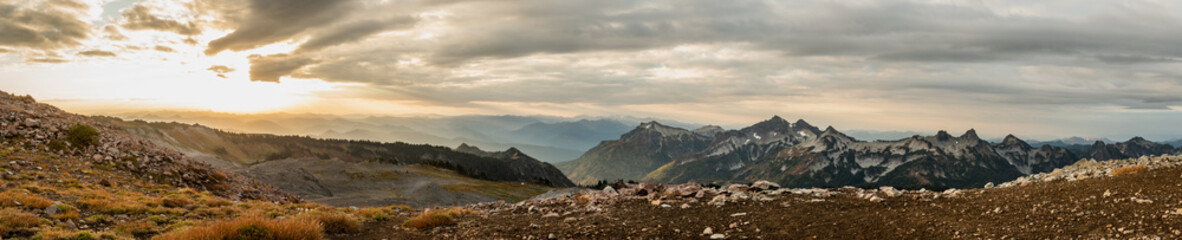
1064 204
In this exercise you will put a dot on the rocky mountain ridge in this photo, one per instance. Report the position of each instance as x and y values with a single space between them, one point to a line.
800 155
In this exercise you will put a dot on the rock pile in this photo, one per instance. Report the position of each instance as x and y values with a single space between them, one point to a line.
1090 168
33 126
574 202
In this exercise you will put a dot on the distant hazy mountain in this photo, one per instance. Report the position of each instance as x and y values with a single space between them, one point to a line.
581 135
1135 147
871 135
798 154
1072 141
547 138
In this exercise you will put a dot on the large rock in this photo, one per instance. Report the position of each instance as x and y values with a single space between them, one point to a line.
764 185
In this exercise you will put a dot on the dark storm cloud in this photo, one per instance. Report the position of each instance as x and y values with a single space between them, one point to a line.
43 28
269 68
96 53
140 17
272 21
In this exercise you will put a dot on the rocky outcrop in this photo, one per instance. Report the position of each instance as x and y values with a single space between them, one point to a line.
635 154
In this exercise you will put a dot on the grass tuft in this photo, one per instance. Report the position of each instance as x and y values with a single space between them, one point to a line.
436 218
338 223
18 198
14 220
1128 170
254 227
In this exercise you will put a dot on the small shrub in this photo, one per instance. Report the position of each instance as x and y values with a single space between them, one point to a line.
1128 170
81 135
56 145
14 220
252 227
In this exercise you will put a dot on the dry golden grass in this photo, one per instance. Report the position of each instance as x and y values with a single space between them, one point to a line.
66 212
336 222
252 227
12 219
25 199
376 214
1128 170
436 218
109 206
140 227
216 202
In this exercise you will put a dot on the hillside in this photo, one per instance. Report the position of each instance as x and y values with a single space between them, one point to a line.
357 173
53 133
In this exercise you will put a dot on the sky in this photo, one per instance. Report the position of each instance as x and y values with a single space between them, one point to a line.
1044 69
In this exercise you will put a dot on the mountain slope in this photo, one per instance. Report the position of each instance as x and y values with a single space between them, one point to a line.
255 148
24 123
634 155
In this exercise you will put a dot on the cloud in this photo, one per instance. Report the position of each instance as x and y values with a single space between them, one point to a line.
140 17
222 70
162 48
112 32
5 50
96 53
272 21
353 32
54 25
1132 59
269 68
46 60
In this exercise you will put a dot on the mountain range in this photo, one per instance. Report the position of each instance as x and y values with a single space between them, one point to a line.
549 139
798 154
